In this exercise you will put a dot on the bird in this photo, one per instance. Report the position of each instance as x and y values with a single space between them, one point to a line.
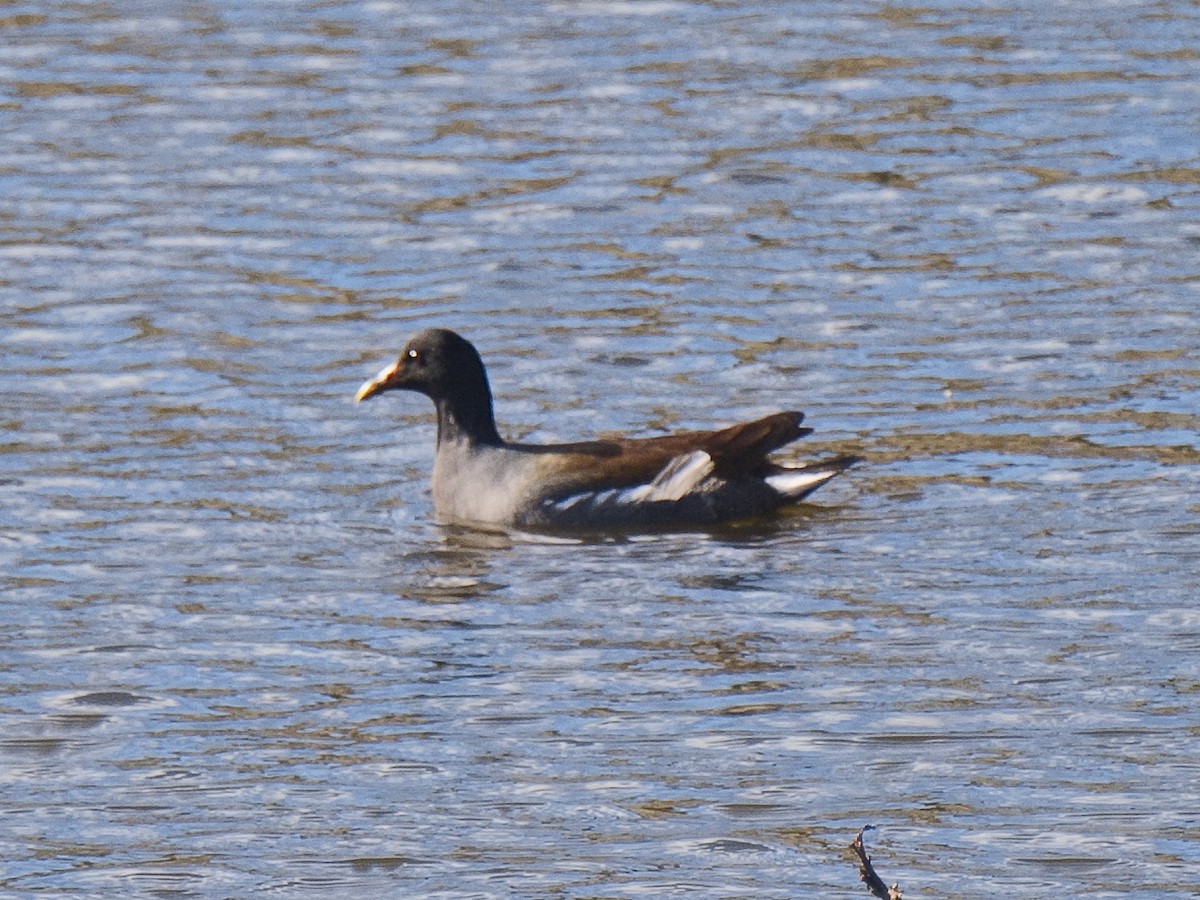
689 479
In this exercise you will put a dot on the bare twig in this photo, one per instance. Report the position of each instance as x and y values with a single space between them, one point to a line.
866 871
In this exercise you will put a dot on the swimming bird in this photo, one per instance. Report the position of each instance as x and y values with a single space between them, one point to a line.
691 478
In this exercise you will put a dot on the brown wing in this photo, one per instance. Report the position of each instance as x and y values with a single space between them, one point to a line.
598 465
742 448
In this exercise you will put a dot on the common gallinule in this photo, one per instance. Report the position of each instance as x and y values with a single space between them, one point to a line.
689 478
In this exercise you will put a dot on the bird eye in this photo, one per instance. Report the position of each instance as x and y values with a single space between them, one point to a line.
414 355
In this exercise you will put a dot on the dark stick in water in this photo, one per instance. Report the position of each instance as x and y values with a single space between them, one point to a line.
866 871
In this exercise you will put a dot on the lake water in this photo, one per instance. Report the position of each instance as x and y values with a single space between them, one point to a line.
239 655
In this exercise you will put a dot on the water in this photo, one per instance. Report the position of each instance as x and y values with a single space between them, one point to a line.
241 657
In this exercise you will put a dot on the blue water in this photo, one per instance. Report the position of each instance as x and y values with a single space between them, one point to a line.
241 656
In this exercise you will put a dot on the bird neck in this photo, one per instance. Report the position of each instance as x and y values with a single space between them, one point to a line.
468 419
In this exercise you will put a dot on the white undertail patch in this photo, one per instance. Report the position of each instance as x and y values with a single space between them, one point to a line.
791 482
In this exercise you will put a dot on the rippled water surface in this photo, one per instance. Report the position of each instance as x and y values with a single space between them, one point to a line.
240 656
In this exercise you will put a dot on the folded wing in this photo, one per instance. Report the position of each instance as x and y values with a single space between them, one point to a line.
607 473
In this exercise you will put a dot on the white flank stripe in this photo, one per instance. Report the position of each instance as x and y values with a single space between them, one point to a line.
567 502
679 477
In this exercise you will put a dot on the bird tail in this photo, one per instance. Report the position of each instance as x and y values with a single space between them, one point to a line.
797 482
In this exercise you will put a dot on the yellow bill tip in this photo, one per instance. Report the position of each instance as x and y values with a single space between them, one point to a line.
369 389
385 380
